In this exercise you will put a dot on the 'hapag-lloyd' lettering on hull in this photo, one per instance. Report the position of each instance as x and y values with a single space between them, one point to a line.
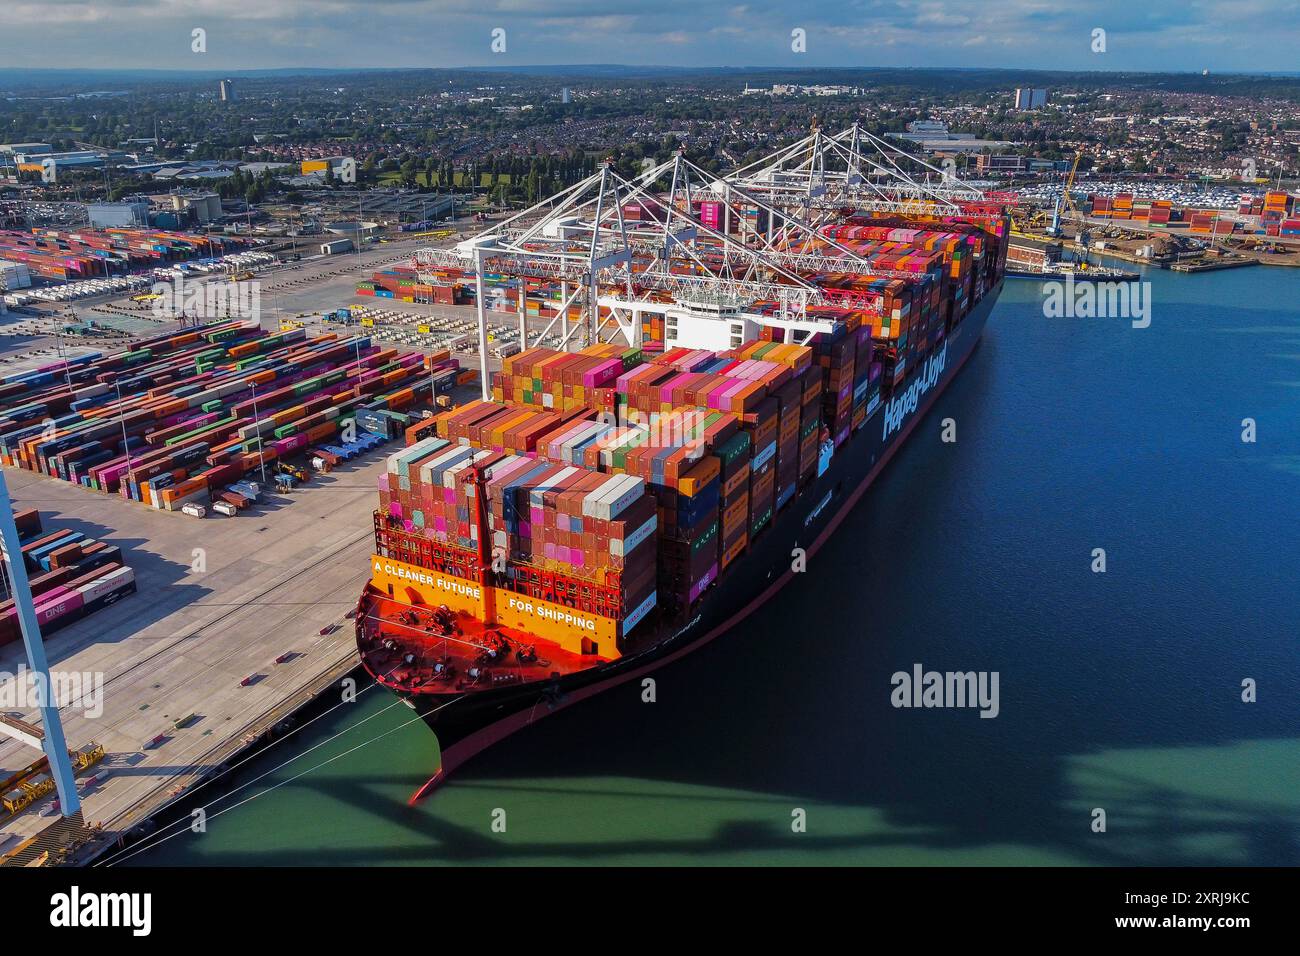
898 409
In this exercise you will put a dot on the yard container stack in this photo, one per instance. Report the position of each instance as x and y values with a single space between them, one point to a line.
72 255
169 421
407 284
71 576
1160 212
1276 206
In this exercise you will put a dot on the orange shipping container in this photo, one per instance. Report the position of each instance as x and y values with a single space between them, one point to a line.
699 475
735 551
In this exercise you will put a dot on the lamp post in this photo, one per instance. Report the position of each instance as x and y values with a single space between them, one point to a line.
121 418
257 423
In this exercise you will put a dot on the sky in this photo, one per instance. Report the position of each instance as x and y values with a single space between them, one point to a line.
1159 35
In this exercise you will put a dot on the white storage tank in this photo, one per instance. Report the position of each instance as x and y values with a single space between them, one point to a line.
14 275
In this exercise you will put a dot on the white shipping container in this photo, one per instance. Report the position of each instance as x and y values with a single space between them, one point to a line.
625 495
610 499
179 504
592 504
622 548
535 494
14 275
398 463
109 582
450 463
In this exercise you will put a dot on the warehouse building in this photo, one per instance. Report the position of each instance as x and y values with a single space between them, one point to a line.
134 212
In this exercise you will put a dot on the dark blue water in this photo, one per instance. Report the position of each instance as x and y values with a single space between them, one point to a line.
1119 691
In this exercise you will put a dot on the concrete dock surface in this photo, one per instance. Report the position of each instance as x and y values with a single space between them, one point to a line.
218 600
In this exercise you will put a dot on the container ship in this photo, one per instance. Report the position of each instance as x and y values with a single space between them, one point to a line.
606 510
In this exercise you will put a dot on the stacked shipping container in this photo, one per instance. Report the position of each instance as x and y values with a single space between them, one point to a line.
719 442
1272 208
186 412
553 527
404 283
71 576
88 254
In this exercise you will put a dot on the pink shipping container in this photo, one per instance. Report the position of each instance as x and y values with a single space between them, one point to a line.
711 215
52 610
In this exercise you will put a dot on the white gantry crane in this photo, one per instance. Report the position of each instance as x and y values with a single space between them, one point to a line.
855 167
624 248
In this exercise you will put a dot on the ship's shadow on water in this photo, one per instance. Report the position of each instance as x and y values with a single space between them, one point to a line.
1120 691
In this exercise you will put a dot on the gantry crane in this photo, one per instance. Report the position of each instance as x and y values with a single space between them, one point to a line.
621 249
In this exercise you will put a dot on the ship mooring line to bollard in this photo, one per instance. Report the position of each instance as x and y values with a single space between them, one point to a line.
274 787
434 637
236 766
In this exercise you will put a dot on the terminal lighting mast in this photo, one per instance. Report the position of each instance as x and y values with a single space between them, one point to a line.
52 740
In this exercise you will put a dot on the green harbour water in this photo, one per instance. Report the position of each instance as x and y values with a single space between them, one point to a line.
1119 691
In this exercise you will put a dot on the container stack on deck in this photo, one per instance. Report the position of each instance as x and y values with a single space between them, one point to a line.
71 576
563 381
987 227
719 441
201 408
672 451
544 518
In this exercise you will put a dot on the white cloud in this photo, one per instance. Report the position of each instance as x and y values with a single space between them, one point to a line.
1233 34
